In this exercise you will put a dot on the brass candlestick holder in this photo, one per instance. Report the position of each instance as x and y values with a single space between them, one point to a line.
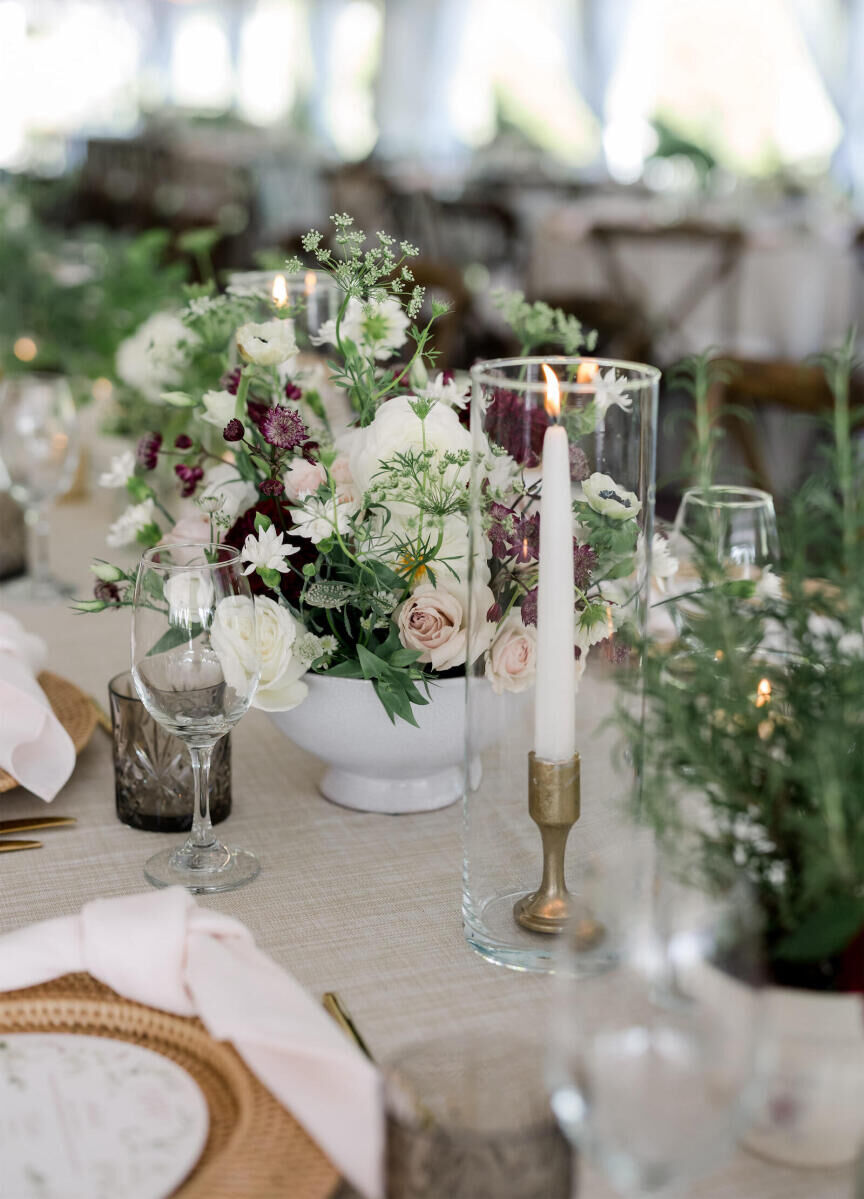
553 805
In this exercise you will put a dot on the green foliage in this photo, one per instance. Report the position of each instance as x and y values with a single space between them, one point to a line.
697 374
752 731
539 325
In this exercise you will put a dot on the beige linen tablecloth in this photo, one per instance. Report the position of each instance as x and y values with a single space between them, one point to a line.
362 904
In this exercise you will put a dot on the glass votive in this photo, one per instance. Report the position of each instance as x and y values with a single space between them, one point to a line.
469 1118
153 771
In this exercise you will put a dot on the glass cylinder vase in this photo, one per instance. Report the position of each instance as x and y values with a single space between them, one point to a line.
561 515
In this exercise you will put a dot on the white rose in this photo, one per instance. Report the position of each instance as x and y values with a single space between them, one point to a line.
396 428
234 639
153 358
605 496
220 407
512 659
303 478
224 491
189 595
279 687
268 344
434 620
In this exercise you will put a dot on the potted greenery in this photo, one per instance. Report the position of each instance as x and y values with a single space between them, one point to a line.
753 739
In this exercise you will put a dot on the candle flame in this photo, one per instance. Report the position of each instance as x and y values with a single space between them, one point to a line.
763 693
586 372
553 392
310 282
279 291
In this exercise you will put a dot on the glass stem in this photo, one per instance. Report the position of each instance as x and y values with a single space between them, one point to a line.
201 836
38 541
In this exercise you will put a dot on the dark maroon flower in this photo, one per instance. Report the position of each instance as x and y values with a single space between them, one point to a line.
190 477
529 607
516 428
234 430
274 487
292 391
514 536
182 442
495 613
257 412
148 450
579 468
283 428
231 380
526 539
584 561
109 592
291 582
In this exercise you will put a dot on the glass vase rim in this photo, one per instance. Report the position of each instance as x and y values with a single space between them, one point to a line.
491 371
230 555
113 691
749 497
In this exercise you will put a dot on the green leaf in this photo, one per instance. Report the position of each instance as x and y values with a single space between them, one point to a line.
403 657
373 667
173 637
348 669
824 932
262 522
198 241
138 489
149 535
154 584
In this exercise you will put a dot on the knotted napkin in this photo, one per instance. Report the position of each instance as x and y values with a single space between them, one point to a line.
161 949
34 747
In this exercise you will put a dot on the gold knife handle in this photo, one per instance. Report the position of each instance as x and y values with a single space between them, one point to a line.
12 846
336 1008
28 823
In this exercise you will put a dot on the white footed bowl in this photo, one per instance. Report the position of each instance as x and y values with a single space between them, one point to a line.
372 764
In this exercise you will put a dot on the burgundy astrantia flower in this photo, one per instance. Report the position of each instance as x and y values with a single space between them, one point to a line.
234 430
516 428
291 584
494 613
182 442
274 487
148 450
292 391
190 477
283 427
529 607
231 380
514 536
584 561
109 592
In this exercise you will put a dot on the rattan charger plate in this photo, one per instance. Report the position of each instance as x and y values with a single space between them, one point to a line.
75 711
255 1149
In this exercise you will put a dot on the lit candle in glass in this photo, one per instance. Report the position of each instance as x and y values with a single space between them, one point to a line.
279 291
555 707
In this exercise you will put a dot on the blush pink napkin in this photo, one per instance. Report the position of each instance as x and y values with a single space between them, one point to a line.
34 747
160 948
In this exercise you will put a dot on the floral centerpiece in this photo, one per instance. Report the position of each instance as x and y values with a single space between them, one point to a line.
356 540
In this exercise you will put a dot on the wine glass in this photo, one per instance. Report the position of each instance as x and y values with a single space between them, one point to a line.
652 1067
39 448
195 664
736 525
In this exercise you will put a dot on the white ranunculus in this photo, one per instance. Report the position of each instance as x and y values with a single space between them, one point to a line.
234 639
605 496
396 428
434 621
511 662
153 358
189 595
121 470
378 327
220 407
269 343
127 527
222 490
282 667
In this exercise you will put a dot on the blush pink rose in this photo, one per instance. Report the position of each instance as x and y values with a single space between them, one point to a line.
195 527
512 660
434 620
303 478
340 471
